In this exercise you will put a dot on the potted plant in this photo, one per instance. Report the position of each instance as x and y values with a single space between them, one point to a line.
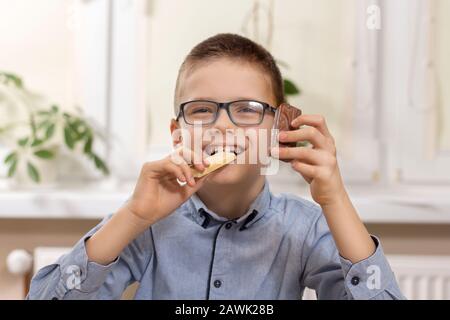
39 134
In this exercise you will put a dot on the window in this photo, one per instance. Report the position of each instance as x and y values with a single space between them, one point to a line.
60 49
419 64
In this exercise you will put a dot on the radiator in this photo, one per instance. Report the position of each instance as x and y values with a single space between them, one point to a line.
419 277
422 277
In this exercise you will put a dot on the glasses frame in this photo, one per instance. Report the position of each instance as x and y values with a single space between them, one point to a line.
226 106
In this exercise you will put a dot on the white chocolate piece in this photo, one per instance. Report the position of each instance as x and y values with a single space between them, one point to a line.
216 161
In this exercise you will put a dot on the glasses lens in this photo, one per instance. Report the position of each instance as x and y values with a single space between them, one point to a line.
200 112
247 112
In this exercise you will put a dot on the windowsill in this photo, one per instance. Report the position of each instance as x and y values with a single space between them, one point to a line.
405 204
91 201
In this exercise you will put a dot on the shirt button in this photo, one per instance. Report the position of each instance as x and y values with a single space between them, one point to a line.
228 225
355 281
217 283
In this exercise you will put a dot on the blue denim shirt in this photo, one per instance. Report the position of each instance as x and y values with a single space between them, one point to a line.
279 247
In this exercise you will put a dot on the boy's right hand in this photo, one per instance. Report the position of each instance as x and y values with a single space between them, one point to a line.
158 193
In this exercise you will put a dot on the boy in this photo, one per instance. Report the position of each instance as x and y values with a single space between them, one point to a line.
224 235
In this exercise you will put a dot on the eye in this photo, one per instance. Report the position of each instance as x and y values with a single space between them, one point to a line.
201 110
247 110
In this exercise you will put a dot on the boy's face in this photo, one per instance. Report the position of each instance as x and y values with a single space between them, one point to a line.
225 80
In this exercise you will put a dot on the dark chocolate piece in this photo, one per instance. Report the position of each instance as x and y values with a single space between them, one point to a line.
285 114
283 117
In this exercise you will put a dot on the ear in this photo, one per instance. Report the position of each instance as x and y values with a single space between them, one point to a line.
176 134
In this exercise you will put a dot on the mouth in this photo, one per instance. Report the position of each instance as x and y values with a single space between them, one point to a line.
211 149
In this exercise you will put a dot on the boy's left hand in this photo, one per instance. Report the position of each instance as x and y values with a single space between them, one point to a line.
318 165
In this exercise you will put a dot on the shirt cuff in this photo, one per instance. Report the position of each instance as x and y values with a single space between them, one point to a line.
367 278
78 273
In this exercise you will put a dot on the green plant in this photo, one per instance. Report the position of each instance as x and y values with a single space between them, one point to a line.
43 125
290 88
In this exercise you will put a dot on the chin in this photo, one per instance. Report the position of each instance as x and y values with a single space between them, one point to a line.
232 174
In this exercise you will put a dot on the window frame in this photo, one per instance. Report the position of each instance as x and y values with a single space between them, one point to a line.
407 117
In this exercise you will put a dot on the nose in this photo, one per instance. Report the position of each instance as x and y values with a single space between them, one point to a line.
223 121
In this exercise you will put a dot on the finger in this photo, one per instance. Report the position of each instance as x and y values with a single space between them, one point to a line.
308 171
190 157
311 134
287 153
311 156
187 173
199 183
176 171
195 159
315 120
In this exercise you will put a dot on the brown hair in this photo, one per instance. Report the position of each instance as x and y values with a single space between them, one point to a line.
227 45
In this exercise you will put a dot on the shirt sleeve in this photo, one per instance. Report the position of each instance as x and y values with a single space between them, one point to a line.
73 276
334 277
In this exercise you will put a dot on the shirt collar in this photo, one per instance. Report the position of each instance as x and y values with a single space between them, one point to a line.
205 217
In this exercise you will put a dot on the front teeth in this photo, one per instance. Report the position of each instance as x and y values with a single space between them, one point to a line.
210 150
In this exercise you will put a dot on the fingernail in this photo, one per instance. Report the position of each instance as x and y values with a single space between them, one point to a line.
293 123
282 135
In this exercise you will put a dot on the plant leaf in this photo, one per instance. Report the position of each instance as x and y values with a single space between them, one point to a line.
22 142
12 168
43 124
16 80
49 132
75 127
10 157
36 142
100 164
88 145
55 109
290 88
33 172
43 113
44 154
68 138
33 125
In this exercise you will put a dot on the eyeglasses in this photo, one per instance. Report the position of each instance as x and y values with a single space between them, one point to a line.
240 112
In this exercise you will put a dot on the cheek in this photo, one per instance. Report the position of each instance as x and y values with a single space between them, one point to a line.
260 137
268 125
192 139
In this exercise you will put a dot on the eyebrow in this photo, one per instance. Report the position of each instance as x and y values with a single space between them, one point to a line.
212 99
